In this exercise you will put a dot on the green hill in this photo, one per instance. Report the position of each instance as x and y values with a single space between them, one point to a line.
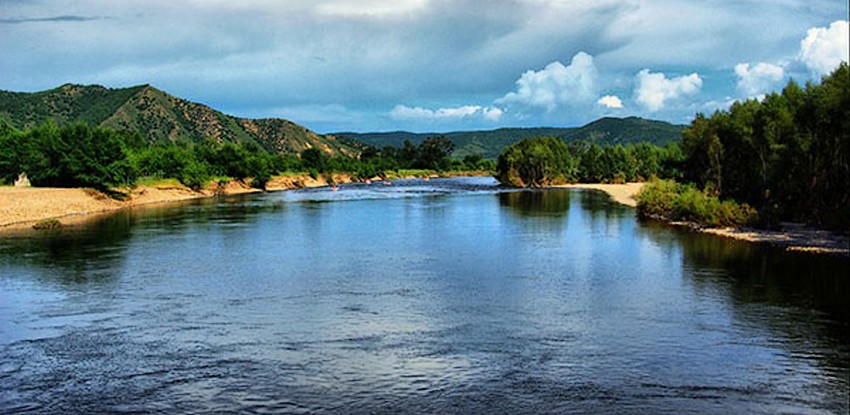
157 115
489 143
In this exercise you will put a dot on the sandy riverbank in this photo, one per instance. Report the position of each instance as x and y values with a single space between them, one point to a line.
621 193
22 207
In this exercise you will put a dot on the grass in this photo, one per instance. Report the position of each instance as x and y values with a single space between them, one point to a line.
414 172
157 182
290 173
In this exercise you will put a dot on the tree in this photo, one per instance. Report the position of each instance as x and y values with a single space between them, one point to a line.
314 159
76 156
536 162
472 161
434 153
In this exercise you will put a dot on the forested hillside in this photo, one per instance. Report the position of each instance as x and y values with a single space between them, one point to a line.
158 116
488 144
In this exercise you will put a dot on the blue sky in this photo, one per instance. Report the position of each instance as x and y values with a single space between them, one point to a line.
428 65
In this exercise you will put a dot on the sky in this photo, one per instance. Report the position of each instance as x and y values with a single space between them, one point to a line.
429 65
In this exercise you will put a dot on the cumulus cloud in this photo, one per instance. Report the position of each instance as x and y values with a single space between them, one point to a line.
258 56
824 48
403 112
556 84
653 90
610 101
758 79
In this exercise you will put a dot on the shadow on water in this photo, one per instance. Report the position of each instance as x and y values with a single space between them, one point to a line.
800 295
758 273
91 252
552 203
94 250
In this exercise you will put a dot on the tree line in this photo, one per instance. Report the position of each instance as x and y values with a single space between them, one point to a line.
546 161
79 155
785 157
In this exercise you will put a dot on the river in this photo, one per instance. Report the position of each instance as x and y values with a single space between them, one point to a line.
447 296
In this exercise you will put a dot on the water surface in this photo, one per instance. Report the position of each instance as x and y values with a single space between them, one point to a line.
443 296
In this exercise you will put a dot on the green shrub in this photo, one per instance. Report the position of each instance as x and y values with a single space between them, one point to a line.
195 175
666 199
47 224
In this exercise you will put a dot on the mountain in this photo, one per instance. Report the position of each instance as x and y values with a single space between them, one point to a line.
157 115
489 143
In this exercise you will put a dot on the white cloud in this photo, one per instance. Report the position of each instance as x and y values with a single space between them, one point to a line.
653 90
265 56
374 8
824 48
403 112
556 84
756 80
610 101
492 113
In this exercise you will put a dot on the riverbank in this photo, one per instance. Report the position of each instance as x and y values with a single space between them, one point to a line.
790 236
23 207
625 194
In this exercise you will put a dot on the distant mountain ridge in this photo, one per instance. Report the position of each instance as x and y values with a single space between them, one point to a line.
156 115
489 143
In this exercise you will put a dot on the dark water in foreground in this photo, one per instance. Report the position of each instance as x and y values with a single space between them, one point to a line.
447 296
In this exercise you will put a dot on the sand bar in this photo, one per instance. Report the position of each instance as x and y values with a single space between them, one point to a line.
22 207
620 193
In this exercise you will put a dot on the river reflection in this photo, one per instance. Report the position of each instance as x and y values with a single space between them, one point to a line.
537 202
452 295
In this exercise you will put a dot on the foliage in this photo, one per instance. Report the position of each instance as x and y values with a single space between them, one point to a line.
489 144
70 156
315 159
47 224
673 201
540 162
788 154
194 174
158 117
536 162
434 153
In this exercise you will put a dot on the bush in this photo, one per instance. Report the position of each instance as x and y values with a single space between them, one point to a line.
47 224
666 199
195 175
